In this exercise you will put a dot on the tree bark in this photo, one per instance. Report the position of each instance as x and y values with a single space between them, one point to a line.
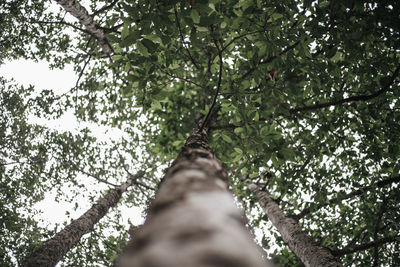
54 249
80 12
309 252
193 220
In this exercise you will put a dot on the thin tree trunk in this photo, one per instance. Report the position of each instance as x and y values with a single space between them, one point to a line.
309 252
193 220
80 12
54 249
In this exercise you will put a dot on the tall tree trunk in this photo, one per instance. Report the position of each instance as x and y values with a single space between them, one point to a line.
54 249
193 220
79 12
303 245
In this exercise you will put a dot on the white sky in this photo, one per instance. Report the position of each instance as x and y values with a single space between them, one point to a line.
39 74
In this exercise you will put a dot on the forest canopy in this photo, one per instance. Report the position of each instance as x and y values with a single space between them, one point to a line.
300 100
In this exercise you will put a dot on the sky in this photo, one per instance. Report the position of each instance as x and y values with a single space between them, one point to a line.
52 212
38 74
26 72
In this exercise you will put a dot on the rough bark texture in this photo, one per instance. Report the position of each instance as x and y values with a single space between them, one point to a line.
79 12
309 252
54 249
193 220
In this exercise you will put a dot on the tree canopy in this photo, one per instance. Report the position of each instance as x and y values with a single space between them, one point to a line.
306 96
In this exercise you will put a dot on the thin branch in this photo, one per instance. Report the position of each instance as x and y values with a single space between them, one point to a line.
205 122
79 78
181 78
328 104
378 222
144 185
352 98
356 237
82 71
61 23
357 192
365 246
270 59
104 8
105 242
92 175
183 39
22 162
239 37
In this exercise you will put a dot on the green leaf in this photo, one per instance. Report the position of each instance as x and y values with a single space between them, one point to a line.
226 138
125 32
202 29
150 45
116 57
256 116
238 130
156 105
142 49
238 150
195 16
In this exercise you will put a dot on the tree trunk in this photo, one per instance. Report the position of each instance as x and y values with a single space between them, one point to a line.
193 220
309 252
79 12
54 249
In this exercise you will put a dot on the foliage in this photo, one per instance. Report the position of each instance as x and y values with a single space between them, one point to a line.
306 93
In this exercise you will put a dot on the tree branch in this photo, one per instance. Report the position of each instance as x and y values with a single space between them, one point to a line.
183 39
104 8
328 104
181 78
352 98
365 246
61 23
239 37
378 221
357 192
205 122
78 11
269 60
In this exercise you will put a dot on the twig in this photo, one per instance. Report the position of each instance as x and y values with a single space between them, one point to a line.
60 22
357 192
92 175
22 162
238 37
183 39
270 59
365 246
352 98
181 78
378 221
205 121
104 8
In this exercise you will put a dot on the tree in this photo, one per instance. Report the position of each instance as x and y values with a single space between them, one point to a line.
54 249
193 220
305 96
